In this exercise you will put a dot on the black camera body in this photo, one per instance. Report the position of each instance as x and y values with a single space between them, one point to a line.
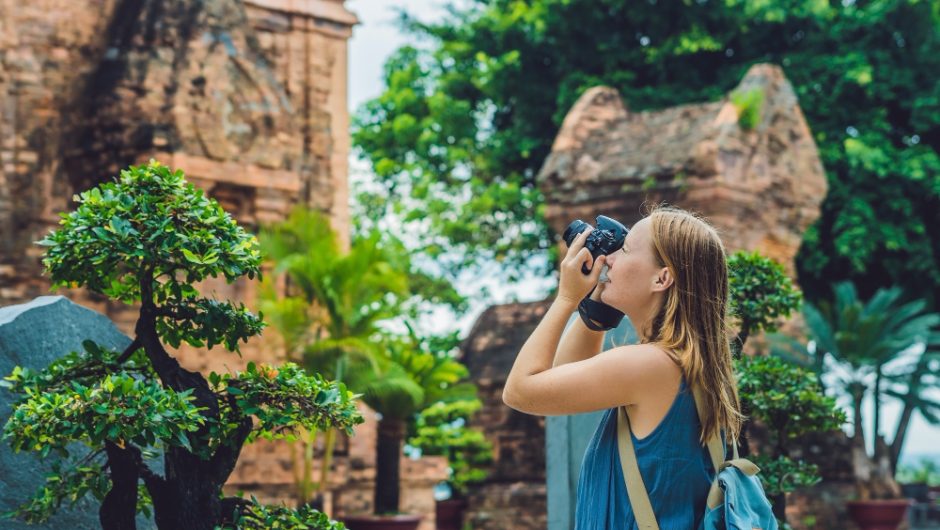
607 238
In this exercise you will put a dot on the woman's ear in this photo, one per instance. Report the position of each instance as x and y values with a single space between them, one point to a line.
663 280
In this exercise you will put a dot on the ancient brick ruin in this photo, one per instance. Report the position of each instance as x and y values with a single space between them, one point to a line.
248 97
761 188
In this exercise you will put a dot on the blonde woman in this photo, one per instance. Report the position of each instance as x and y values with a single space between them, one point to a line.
671 280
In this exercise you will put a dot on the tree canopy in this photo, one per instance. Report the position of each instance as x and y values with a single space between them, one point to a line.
465 122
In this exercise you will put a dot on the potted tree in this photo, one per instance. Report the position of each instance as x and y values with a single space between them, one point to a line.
787 400
415 373
147 239
863 339
327 305
789 403
441 429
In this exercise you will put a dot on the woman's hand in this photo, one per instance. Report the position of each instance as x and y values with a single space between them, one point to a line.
573 284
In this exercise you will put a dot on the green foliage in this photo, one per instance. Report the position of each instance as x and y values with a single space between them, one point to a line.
789 402
863 338
465 123
117 407
149 237
85 367
337 300
257 516
441 430
787 399
284 398
782 475
865 335
761 294
748 103
412 376
205 323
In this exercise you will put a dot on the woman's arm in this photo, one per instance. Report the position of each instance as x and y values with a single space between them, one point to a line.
538 352
580 342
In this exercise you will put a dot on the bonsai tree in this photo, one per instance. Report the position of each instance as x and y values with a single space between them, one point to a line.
147 239
789 402
785 399
415 373
762 295
863 339
441 430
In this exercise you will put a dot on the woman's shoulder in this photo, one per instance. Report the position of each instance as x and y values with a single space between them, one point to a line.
649 354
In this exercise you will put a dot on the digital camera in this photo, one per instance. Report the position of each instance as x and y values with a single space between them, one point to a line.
605 239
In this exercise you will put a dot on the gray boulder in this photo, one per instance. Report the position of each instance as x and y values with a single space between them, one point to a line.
33 335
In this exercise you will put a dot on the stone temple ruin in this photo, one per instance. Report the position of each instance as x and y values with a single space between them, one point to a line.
247 97
761 187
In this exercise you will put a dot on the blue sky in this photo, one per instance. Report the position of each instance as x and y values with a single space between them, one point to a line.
376 38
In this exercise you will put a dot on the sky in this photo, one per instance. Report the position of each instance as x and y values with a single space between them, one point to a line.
373 41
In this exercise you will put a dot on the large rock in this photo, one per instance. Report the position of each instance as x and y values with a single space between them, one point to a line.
33 335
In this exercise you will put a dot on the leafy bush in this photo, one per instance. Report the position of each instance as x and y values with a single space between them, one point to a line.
789 402
147 239
441 430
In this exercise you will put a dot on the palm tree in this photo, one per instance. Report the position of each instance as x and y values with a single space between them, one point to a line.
333 305
413 376
911 387
863 337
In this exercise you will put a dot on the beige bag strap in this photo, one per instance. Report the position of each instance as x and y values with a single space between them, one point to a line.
636 490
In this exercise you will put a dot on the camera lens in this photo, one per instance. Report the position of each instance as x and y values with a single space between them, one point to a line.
575 228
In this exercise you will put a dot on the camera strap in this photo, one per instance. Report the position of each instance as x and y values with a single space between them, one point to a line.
598 315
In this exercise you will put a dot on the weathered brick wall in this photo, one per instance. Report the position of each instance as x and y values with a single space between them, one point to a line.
514 494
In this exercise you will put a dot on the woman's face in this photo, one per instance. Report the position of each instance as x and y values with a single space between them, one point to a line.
636 280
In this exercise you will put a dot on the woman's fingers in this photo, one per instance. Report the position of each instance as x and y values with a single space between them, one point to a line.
584 258
598 268
578 244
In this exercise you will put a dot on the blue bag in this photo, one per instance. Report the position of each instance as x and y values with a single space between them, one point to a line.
737 500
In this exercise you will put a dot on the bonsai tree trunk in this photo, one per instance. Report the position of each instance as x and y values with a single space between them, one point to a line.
391 433
189 497
119 507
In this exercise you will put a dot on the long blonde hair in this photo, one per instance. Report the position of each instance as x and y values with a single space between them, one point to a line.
693 321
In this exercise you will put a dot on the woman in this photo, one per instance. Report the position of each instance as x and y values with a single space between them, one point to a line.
671 280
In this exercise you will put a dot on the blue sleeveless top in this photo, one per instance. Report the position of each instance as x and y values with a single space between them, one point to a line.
676 469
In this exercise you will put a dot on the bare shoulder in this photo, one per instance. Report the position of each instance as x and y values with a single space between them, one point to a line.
647 355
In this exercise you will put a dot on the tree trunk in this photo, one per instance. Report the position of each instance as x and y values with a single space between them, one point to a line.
780 506
913 392
876 396
194 498
391 433
858 394
190 495
119 508
900 433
